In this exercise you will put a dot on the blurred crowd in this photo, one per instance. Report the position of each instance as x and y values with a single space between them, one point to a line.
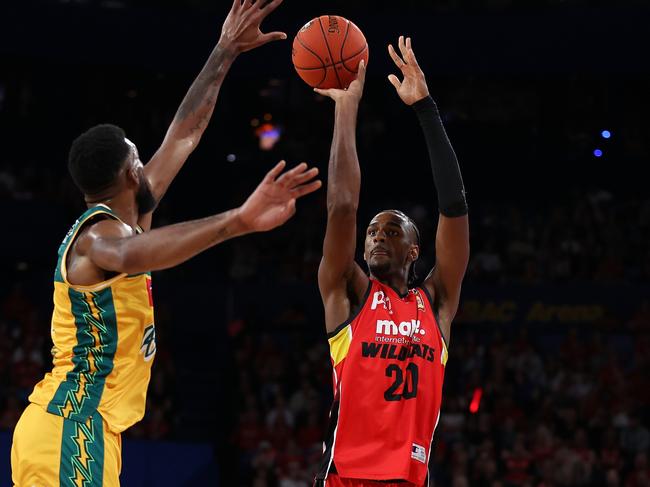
591 237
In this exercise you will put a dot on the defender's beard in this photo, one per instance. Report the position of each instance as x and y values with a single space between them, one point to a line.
145 198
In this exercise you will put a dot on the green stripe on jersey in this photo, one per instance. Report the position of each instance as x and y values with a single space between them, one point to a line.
81 404
82 453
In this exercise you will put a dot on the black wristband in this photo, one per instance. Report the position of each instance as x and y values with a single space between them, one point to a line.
444 164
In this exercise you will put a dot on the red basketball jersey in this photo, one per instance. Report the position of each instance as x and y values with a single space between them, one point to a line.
389 364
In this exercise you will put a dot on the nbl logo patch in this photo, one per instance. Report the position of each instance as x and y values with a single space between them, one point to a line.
419 453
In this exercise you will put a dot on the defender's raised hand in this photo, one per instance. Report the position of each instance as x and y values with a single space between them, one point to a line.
241 29
274 200
353 92
414 86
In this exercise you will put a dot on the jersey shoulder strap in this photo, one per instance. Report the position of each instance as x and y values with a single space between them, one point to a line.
60 273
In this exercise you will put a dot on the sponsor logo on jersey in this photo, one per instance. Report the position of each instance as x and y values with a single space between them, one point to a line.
397 340
148 347
379 297
405 328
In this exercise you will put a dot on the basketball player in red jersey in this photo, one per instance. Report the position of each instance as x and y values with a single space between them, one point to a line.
388 339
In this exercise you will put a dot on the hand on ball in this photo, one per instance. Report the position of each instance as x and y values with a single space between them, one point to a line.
352 93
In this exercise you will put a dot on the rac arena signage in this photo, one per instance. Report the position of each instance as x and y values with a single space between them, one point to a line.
586 304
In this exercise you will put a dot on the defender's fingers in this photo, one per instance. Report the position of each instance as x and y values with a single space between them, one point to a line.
286 178
273 173
272 36
304 177
306 188
270 6
395 57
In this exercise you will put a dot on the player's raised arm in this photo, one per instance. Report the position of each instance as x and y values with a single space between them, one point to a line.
452 237
109 244
340 279
240 33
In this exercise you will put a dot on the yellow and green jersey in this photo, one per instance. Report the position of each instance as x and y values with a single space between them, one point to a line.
104 342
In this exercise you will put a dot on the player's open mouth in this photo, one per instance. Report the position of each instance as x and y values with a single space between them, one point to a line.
379 252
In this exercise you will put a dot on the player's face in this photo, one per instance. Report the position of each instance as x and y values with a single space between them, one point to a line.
144 196
389 246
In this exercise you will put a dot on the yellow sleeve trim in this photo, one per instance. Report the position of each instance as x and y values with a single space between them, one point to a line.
340 344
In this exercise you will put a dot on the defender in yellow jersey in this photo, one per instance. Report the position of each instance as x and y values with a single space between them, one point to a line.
98 331
103 323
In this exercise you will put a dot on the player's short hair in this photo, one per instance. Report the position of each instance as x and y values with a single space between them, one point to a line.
412 276
97 156
410 221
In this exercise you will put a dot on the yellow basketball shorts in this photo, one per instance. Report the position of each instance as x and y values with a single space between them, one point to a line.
51 451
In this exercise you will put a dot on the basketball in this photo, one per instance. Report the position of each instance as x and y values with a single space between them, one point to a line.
327 51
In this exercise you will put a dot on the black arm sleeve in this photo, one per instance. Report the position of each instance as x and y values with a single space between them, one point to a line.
446 173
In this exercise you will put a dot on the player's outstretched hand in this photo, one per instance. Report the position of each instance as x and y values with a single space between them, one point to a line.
414 86
353 92
274 201
241 29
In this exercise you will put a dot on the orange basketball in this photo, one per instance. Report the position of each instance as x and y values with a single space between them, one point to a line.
327 51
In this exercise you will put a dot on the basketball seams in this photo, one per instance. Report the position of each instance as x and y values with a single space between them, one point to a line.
352 57
335 64
345 38
327 44
312 51
323 67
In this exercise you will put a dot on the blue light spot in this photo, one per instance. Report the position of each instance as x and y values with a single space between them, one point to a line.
606 134
598 153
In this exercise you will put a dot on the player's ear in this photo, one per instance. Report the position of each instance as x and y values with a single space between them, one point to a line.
414 253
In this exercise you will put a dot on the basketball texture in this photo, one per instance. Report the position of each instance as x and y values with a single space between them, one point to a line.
327 51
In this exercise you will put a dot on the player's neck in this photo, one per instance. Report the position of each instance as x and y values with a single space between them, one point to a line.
122 204
399 283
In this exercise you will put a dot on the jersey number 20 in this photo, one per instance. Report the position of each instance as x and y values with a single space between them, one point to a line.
410 389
